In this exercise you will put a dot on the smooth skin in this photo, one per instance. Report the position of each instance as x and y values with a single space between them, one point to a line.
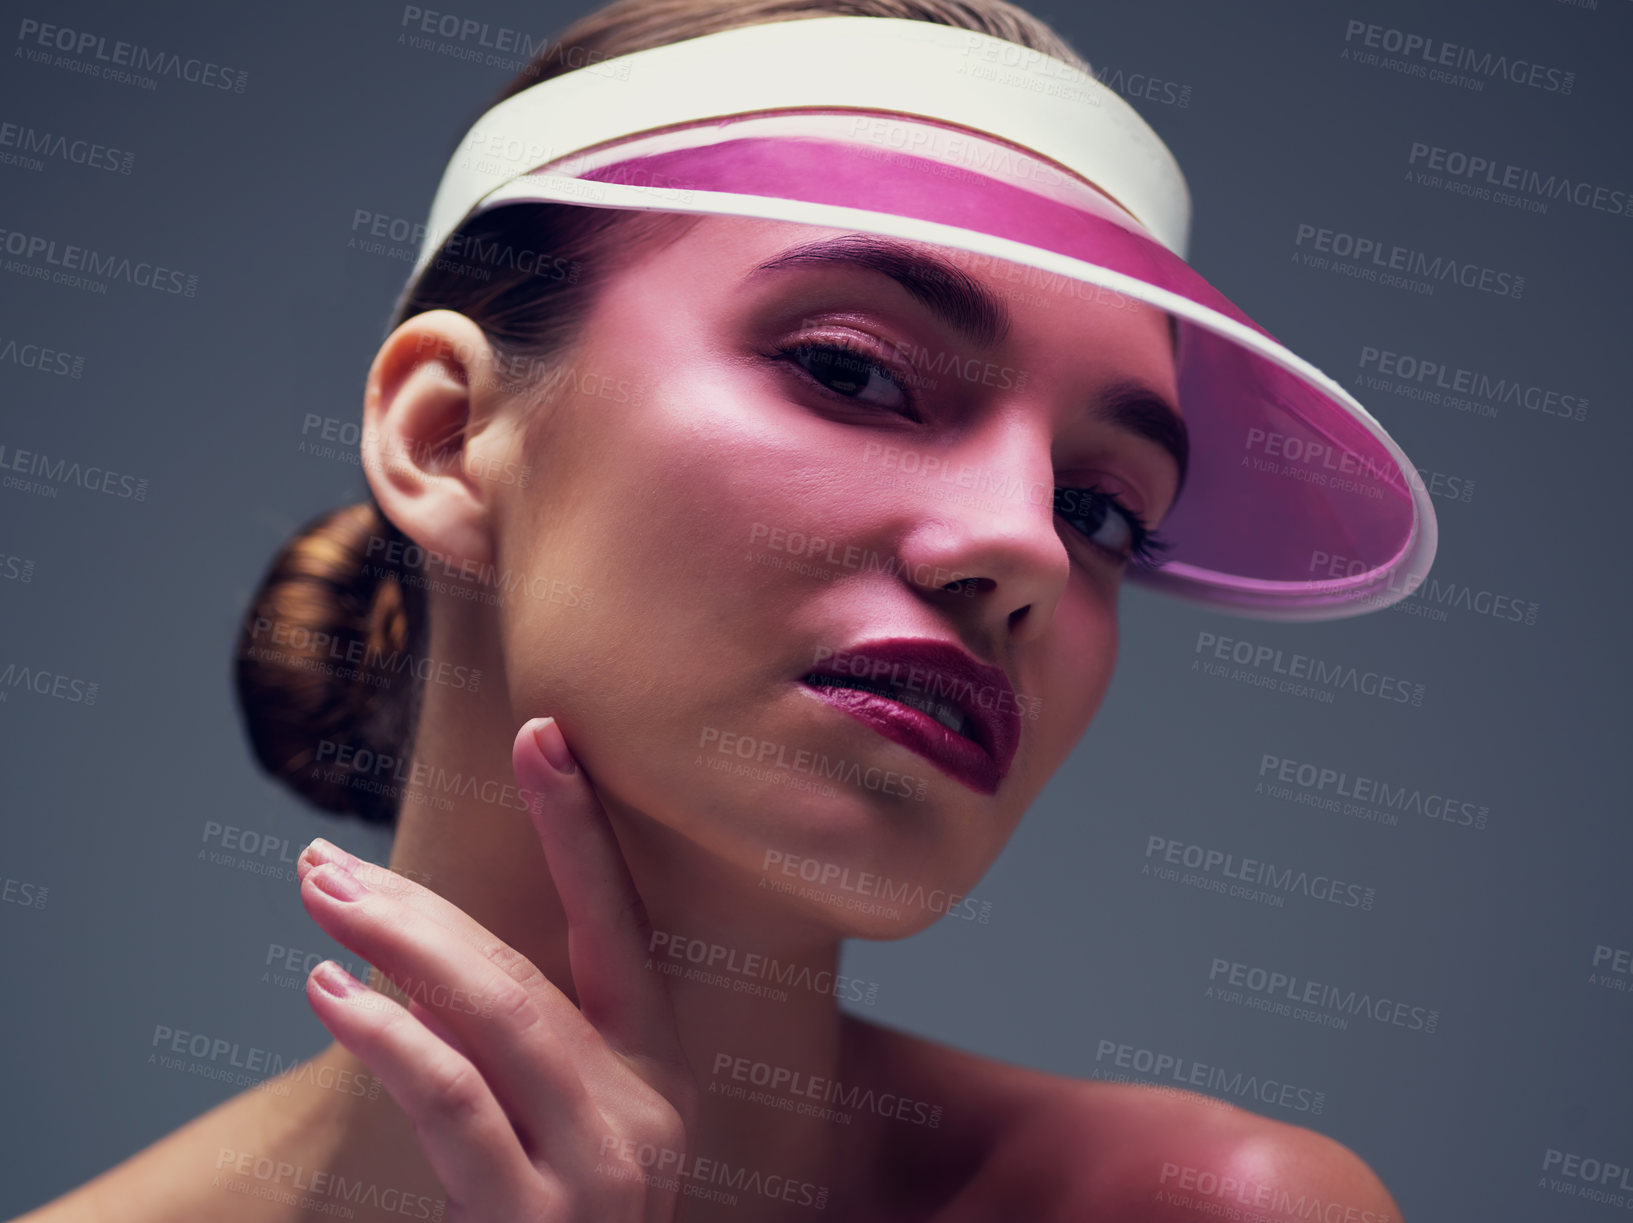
542 1043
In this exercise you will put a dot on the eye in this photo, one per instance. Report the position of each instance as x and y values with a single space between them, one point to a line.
1111 526
852 372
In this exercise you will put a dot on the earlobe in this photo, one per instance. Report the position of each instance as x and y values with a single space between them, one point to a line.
426 404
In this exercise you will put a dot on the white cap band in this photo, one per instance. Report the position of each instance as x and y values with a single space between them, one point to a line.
908 67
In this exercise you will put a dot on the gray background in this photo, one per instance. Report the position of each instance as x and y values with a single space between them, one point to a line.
107 805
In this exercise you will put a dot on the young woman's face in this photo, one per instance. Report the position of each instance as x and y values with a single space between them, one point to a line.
761 474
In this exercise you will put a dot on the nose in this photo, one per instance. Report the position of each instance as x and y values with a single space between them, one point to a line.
986 521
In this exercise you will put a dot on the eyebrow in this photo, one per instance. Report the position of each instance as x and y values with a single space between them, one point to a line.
971 309
960 300
1135 408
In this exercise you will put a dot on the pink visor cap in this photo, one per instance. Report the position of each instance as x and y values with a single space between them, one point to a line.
1296 505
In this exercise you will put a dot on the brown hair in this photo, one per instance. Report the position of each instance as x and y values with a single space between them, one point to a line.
329 651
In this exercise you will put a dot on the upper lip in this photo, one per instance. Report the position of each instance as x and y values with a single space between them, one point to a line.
983 692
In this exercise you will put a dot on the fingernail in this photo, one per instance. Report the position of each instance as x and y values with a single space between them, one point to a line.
333 979
548 736
337 881
319 852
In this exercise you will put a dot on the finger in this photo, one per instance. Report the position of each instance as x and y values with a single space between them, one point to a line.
464 1132
565 1018
608 931
496 1018
425 1015
381 984
577 1034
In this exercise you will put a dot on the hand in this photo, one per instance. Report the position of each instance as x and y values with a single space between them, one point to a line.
526 1106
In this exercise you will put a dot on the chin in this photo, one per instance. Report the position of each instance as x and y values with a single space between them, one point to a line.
862 862
811 812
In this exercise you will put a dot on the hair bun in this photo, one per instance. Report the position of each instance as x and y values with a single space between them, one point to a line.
326 711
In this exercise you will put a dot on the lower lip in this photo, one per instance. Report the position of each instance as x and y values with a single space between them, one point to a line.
956 756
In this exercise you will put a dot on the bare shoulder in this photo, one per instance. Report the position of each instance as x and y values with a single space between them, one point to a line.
1048 1147
235 1160
1156 1155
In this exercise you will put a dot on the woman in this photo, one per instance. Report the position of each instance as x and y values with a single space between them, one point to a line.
703 615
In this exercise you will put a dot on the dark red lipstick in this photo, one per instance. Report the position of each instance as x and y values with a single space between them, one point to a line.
930 696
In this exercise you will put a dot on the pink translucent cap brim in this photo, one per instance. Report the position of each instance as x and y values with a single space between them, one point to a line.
1297 504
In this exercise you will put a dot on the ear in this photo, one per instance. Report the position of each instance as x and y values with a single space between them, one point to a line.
429 400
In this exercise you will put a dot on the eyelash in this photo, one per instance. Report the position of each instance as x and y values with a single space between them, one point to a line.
790 353
1145 552
1147 546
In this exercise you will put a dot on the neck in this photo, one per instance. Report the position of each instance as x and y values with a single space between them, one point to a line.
753 988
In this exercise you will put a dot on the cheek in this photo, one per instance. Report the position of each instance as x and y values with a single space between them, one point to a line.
1082 655
692 508
665 514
